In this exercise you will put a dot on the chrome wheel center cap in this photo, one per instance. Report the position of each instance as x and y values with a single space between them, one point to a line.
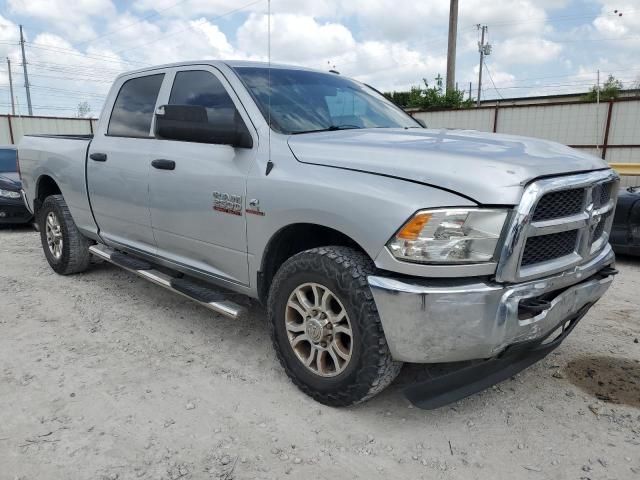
317 329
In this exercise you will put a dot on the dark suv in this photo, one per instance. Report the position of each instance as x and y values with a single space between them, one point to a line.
12 208
625 236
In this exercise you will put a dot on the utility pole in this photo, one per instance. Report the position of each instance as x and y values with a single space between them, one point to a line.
598 113
13 105
26 76
469 90
484 49
451 50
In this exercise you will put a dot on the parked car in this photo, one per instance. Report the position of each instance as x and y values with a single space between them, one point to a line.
625 235
12 207
371 240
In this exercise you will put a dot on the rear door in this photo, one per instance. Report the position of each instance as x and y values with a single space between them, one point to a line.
197 209
118 164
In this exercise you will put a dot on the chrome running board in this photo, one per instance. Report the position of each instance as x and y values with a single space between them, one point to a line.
208 297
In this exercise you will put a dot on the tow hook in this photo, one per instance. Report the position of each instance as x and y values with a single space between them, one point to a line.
533 306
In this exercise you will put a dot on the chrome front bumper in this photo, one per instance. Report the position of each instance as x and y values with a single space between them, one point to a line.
447 320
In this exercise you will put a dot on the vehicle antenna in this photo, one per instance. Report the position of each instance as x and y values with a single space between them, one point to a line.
269 163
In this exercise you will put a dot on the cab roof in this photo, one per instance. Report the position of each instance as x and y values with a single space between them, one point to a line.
218 63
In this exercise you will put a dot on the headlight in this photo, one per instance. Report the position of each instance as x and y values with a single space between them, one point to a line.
456 235
9 194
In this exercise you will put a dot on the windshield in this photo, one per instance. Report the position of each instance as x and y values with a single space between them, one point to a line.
306 101
8 160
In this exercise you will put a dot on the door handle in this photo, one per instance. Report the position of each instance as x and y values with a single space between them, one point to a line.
98 157
162 164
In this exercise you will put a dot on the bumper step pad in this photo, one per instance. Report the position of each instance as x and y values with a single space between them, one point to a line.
205 295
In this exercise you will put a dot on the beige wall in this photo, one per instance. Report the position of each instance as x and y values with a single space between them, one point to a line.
24 125
577 124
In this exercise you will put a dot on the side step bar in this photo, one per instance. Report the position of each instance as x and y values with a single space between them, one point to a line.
207 297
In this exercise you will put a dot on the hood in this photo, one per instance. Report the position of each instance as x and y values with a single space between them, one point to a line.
10 180
488 168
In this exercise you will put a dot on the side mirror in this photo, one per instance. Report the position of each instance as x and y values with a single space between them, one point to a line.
421 122
190 123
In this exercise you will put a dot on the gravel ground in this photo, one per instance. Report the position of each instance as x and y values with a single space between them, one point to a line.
104 375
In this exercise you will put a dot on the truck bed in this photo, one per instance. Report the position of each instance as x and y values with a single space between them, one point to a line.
63 159
66 136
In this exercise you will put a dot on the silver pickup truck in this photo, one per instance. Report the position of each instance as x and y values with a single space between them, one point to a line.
371 240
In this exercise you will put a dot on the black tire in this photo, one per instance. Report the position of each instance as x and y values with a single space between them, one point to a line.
75 256
344 271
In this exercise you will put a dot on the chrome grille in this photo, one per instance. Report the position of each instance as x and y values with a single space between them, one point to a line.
601 194
549 247
560 223
599 229
559 204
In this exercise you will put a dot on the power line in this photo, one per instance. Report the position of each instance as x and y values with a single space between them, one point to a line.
102 58
75 92
611 39
77 79
562 18
492 82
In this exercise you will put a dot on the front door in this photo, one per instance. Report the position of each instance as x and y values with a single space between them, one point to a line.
197 208
118 166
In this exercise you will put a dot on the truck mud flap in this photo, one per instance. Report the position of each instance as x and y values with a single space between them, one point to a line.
441 391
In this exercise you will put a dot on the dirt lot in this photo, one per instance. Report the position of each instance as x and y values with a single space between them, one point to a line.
103 375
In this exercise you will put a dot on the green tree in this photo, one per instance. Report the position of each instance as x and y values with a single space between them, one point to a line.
429 96
610 90
84 110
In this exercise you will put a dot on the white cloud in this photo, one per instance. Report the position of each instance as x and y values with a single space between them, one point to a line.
527 50
190 8
72 20
301 39
390 44
389 65
398 20
295 38
612 24
507 17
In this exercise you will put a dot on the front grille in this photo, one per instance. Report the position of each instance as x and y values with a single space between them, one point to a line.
561 222
549 247
601 194
559 204
599 230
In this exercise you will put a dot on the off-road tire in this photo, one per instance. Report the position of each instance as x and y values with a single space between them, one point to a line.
344 271
75 256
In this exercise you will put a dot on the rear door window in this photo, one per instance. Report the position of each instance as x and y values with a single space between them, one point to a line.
134 107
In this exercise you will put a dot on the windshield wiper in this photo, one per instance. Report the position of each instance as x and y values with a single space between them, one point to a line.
330 128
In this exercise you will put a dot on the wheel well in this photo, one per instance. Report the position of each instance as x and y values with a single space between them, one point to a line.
46 186
294 239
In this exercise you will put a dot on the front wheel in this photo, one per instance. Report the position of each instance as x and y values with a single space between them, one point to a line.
65 248
326 329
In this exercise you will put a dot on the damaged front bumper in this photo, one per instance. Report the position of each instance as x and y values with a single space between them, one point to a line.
449 320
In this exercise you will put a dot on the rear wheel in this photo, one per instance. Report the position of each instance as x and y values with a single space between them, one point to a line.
65 248
326 329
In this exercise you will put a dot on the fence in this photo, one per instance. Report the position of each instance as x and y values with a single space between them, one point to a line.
610 130
12 128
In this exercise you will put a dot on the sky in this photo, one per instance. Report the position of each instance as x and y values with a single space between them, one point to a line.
75 48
